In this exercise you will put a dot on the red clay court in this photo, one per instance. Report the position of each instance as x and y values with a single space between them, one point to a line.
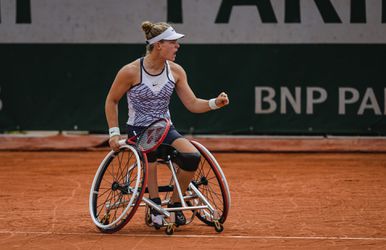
329 196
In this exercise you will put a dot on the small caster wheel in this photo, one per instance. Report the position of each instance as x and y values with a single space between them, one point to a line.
169 229
105 220
148 220
218 227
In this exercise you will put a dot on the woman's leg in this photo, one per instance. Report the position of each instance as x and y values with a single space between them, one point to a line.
152 183
152 186
183 176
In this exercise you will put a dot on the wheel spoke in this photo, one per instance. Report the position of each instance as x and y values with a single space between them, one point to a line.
116 200
102 205
210 185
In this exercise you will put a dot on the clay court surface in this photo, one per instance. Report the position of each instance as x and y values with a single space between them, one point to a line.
279 200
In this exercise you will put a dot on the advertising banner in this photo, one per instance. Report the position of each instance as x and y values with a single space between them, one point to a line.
288 66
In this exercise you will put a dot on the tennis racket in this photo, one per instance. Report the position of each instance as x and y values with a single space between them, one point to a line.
151 137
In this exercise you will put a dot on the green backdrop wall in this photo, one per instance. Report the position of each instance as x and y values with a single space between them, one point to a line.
63 87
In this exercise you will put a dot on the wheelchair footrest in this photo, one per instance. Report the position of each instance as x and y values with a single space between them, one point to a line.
168 188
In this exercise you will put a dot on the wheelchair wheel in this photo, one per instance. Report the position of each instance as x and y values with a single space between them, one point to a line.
117 189
211 182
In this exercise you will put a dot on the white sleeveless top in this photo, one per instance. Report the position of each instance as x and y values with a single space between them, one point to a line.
149 100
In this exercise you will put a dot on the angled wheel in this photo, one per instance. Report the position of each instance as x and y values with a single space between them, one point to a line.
117 189
211 182
169 230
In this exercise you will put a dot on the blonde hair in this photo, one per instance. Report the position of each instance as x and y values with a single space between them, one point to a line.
152 30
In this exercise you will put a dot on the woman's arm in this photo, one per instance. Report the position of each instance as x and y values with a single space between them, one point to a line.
188 98
122 83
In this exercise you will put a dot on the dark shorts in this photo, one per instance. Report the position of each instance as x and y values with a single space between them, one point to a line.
170 137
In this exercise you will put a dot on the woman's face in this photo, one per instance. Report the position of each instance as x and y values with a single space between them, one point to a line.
169 49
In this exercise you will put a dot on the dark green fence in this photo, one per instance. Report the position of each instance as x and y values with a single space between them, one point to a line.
274 89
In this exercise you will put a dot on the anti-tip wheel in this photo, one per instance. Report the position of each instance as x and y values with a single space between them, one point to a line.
218 227
169 229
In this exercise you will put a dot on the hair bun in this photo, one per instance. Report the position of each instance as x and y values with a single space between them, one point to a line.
147 26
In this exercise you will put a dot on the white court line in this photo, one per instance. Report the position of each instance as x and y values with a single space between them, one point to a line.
206 236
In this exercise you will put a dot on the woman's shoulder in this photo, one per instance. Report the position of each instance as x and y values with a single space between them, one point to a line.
132 67
175 67
129 73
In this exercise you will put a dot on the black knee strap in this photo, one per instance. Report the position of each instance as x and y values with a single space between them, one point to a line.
151 156
163 152
188 161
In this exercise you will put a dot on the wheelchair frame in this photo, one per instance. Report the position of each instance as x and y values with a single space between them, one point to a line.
206 209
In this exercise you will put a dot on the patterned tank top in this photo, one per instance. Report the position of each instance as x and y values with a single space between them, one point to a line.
149 100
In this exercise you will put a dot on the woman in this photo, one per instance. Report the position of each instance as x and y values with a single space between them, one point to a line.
148 83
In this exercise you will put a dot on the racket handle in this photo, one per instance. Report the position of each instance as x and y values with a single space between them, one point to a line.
122 142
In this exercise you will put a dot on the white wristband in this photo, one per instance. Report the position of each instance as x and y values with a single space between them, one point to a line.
212 104
114 131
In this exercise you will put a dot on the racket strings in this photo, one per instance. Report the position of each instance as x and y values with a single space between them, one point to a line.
152 135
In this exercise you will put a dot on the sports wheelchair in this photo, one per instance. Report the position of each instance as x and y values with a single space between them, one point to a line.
120 183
